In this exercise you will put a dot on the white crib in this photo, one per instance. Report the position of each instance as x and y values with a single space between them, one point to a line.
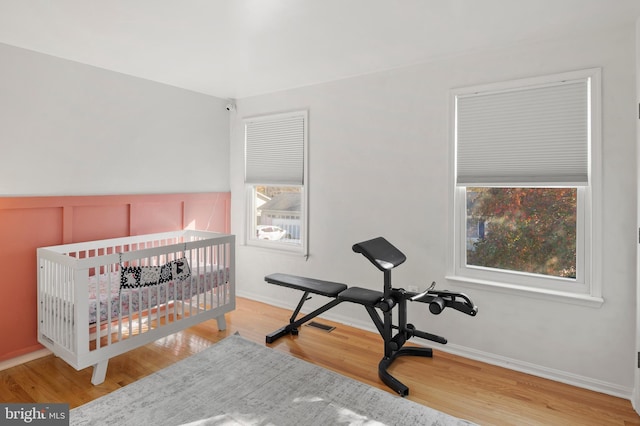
85 315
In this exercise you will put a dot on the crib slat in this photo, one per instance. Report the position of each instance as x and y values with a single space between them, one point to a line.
62 317
138 313
222 279
196 281
119 321
211 277
110 285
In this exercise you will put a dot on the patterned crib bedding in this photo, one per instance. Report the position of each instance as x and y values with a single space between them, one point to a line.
106 287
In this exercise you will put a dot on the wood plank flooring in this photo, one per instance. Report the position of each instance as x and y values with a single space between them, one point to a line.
468 389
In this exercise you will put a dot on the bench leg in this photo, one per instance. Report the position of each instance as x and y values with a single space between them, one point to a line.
292 327
275 335
386 362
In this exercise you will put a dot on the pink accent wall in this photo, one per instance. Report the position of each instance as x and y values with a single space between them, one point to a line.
27 223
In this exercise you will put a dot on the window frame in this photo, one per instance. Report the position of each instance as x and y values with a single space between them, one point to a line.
250 192
586 288
251 239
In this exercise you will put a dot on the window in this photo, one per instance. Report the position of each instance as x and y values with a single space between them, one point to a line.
275 178
526 185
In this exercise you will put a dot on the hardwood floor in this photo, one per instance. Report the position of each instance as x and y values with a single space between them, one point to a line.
478 392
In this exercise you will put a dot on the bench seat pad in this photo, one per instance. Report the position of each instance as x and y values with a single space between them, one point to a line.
312 285
362 296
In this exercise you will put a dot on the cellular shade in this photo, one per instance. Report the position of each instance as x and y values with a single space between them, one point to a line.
274 150
524 136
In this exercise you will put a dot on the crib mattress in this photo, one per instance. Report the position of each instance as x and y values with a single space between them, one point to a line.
105 288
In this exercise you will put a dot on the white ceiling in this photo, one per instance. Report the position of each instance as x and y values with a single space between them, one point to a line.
240 48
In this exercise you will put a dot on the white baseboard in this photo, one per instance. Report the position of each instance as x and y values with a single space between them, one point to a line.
489 358
540 371
9 363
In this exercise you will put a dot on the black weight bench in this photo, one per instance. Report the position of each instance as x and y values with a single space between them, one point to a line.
385 257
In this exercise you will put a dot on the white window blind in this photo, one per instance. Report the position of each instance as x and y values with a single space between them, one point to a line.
274 149
536 135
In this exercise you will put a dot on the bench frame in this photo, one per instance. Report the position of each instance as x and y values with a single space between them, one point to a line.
323 288
385 257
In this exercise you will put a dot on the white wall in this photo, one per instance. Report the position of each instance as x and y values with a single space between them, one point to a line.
379 166
72 129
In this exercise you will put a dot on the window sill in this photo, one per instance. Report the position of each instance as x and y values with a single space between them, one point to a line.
536 293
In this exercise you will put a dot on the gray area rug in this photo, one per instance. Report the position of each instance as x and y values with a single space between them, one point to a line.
238 382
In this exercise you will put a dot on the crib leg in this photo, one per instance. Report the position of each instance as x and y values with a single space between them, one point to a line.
222 323
99 372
